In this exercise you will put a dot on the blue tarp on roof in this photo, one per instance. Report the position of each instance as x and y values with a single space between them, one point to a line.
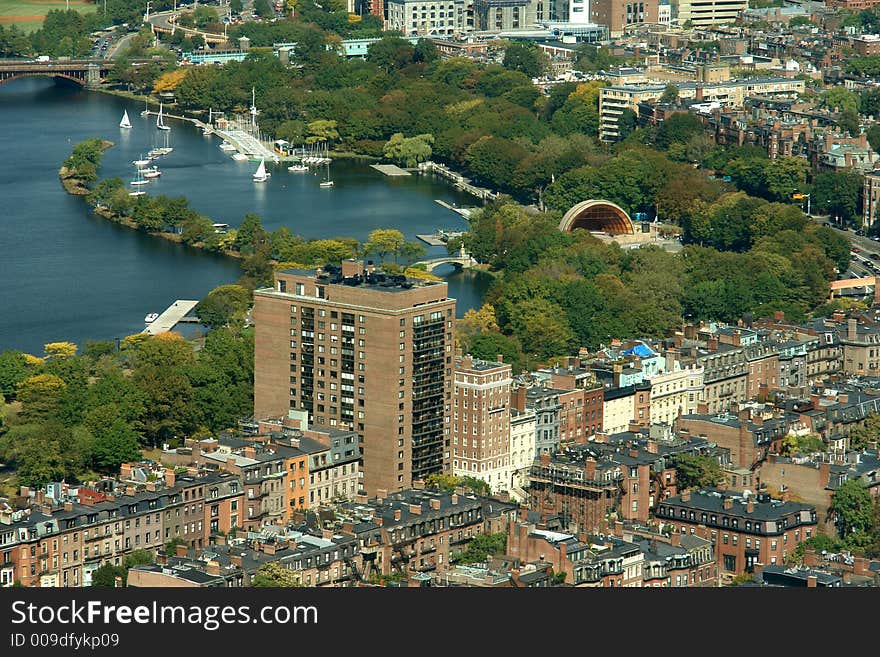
639 350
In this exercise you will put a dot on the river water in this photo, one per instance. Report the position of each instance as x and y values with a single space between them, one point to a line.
66 274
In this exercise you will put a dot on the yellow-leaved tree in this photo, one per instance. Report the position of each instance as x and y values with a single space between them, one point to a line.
169 81
55 350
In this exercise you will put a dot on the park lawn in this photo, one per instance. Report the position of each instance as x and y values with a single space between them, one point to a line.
28 14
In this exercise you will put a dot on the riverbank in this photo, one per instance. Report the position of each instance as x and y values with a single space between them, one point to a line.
76 186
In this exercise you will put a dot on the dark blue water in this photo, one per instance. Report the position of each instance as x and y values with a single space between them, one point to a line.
66 274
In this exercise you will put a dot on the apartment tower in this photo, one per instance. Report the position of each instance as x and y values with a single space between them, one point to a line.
361 350
481 421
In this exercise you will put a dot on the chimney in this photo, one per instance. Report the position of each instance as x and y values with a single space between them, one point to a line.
250 452
675 539
125 471
455 498
169 478
811 581
181 549
750 506
545 458
652 446
824 473
415 509
634 453
728 503
418 484
499 358
852 328
618 529
212 568
68 506
686 495
230 462
130 490
235 560
590 468
397 513
435 503
381 494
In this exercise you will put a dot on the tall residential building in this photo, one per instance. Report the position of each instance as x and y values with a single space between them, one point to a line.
481 421
365 351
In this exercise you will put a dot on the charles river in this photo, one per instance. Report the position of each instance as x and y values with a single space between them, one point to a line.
66 274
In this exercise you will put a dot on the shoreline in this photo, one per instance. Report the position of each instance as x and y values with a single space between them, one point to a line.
75 187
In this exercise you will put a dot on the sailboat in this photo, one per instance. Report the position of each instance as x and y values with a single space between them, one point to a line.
160 123
146 108
141 162
208 130
125 123
298 167
140 179
327 182
261 174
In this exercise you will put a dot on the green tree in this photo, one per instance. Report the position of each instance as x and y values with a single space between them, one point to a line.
524 57
408 151
851 509
235 6
273 574
669 95
693 471
840 99
224 305
837 193
13 370
39 396
105 575
384 241
481 547
251 234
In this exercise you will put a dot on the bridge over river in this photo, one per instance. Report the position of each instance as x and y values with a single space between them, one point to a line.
84 72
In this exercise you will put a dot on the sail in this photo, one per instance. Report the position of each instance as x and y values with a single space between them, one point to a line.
261 170
125 123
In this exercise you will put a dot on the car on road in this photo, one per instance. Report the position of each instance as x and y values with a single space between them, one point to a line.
874 256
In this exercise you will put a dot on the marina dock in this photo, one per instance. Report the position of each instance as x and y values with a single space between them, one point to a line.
173 315
391 170
436 239
464 212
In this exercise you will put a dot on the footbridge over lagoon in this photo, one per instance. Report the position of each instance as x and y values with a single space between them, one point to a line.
463 260
84 72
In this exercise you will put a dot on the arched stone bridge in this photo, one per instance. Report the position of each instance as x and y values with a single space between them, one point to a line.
463 260
84 72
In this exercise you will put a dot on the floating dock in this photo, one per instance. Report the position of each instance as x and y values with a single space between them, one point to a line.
390 170
464 212
173 315
436 239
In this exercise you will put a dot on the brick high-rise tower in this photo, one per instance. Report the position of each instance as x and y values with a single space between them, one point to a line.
361 350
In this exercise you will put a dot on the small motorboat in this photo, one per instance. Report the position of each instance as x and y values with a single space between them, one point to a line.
152 317
297 168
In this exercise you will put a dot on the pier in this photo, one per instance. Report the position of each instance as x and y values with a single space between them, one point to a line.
437 238
390 170
173 315
459 180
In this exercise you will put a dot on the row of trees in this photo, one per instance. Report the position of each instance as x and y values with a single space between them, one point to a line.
75 414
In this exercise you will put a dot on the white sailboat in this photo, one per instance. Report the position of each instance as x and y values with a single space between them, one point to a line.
125 123
151 172
160 123
298 167
139 180
261 175
327 182
141 162
146 108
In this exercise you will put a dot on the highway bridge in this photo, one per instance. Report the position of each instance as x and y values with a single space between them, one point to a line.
84 72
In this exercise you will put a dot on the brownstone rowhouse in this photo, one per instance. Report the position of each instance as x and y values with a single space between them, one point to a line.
362 350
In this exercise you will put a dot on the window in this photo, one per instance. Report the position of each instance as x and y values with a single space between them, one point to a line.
730 562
